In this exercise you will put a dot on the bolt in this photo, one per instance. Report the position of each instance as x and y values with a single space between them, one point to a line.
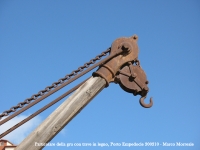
134 75
147 82
126 47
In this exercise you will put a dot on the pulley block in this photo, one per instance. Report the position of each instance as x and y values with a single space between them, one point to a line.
132 78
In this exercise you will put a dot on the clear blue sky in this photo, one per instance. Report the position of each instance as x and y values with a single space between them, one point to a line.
42 41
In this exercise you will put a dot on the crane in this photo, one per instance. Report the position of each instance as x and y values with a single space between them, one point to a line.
121 66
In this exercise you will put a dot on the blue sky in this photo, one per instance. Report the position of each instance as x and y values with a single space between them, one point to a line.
42 41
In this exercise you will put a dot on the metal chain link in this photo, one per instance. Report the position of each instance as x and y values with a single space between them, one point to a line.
54 85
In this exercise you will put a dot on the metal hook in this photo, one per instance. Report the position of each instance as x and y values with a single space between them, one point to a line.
143 104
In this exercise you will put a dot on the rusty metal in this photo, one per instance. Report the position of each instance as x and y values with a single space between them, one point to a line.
132 79
121 70
144 104
130 50
41 110
54 87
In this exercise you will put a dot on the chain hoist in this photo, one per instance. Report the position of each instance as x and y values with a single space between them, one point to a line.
121 66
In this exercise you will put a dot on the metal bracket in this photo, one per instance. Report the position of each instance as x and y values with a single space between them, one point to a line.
120 69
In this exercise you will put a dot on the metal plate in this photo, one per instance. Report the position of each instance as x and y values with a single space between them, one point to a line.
133 80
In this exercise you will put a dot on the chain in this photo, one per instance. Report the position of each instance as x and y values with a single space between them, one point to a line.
54 85
41 110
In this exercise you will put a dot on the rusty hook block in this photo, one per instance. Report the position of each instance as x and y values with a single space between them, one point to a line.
125 69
